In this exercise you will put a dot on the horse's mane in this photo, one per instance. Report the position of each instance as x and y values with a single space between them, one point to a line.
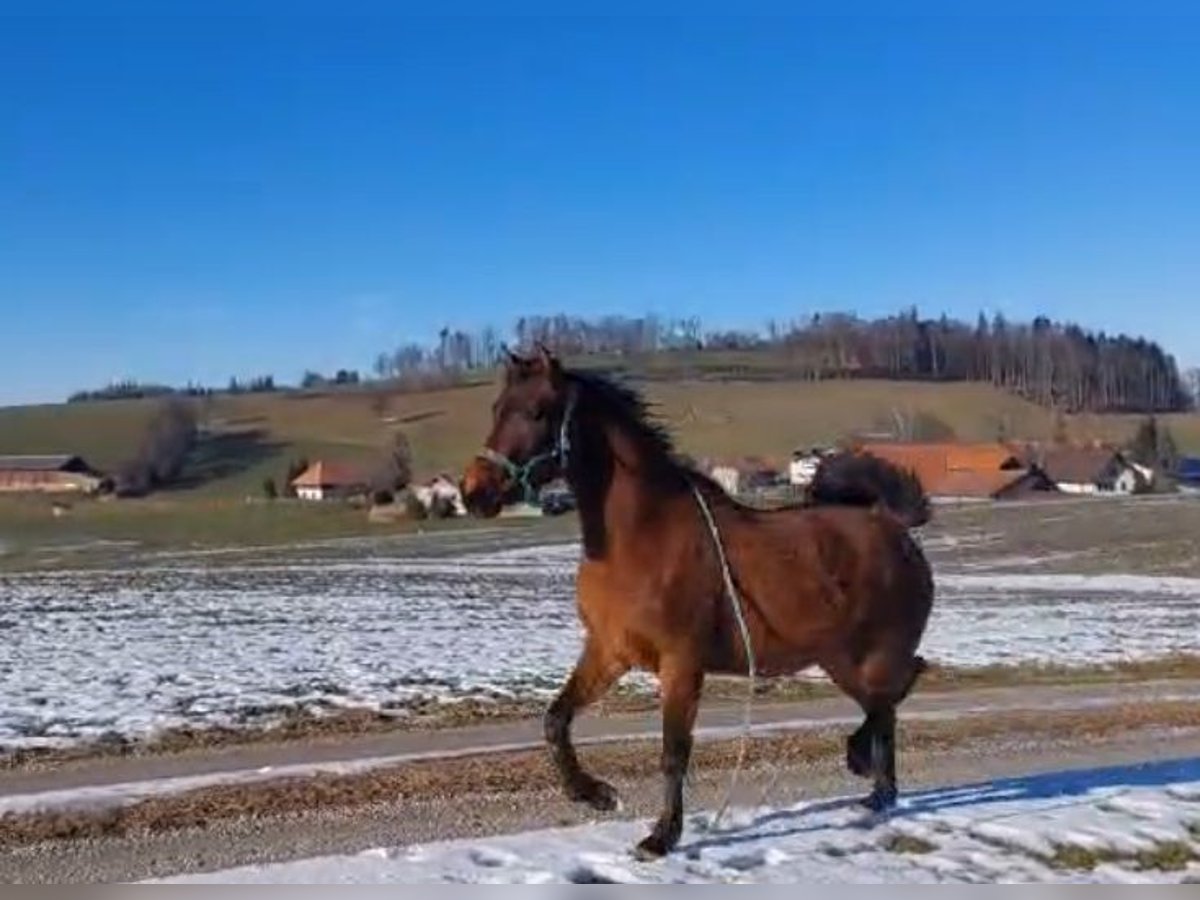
629 408
845 479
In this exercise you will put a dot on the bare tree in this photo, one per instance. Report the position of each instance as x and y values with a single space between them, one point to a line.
169 437
1191 383
394 472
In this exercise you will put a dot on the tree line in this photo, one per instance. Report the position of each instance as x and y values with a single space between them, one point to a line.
1059 365
1056 364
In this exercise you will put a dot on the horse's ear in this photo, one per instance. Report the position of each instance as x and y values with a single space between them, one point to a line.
514 363
548 361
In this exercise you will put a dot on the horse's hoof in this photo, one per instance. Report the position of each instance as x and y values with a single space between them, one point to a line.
599 795
653 848
881 799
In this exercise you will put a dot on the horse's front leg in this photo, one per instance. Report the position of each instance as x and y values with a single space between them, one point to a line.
681 682
594 674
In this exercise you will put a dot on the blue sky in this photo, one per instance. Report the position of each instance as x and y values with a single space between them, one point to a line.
192 198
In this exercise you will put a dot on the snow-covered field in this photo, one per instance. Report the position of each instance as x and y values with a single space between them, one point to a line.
1128 825
89 653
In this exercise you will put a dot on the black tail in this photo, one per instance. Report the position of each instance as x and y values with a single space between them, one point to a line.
861 479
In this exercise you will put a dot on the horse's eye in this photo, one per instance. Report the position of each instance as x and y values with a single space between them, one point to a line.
539 414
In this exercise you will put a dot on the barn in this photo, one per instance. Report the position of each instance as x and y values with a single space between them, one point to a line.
962 470
329 481
48 474
1092 470
1004 484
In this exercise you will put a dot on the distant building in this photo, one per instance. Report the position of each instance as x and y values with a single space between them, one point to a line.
744 475
959 470
48 474
802 468
1091 470
329 481
441 489
1005 484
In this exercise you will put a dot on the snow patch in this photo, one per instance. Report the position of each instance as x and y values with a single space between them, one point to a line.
1013 830
122 655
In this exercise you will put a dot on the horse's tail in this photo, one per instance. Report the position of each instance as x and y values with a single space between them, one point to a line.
862 479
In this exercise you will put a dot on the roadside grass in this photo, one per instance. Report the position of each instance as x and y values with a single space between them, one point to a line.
1164 856
518 772
908 843
32 535
300 726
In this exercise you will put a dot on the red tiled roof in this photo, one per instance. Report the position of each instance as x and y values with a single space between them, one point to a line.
950 467
965 483
328 474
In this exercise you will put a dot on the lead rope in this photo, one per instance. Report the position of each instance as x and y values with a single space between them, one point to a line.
739 615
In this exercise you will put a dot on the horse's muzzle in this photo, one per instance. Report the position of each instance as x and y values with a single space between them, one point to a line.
482 490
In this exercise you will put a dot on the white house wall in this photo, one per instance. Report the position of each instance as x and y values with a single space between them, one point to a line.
1068 487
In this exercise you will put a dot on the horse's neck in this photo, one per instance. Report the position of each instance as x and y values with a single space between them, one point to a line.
613 487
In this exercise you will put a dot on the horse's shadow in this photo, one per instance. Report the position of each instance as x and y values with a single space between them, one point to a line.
1066 785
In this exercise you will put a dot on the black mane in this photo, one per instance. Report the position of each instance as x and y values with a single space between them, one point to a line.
629 408
844 479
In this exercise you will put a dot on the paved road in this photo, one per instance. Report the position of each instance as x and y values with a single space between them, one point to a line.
714 720
321 832
466 812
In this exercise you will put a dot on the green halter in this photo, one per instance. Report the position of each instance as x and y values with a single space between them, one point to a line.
521 473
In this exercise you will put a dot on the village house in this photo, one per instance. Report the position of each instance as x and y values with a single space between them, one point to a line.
744 475
441 489
324 480
802 468
1005 484
48 474
1092 470
965 471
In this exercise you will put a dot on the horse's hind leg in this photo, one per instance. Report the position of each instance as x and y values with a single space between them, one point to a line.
858 750
594 674
681 684
879 683
881 724
887 679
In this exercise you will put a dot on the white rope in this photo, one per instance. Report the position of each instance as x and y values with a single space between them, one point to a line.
739 615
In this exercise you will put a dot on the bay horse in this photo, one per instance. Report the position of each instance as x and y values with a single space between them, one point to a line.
840 585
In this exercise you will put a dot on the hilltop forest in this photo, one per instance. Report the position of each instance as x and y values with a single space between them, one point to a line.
1054 364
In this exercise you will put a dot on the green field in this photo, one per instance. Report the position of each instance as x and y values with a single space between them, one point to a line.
714 410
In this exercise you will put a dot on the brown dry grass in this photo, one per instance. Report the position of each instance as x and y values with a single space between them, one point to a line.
1164 856
516 773
718 691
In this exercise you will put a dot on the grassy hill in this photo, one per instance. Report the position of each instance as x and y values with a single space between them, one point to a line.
253 436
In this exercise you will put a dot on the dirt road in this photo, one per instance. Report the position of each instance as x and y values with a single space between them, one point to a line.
424 786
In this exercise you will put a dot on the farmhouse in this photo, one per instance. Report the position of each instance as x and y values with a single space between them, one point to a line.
50 474
1092 470
442 491
1005 484
963 470
804 464
328 481
744 475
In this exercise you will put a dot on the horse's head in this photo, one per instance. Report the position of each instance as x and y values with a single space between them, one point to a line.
528 441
